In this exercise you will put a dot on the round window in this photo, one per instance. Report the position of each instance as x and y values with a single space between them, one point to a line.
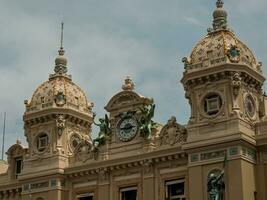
212 104
250 106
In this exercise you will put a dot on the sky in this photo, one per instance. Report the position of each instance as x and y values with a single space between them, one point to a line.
105 41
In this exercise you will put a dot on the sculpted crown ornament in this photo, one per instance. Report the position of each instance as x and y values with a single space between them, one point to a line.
128 84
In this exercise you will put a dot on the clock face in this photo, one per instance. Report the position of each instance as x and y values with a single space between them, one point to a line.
127 129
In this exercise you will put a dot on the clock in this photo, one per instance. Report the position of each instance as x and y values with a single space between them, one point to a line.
127 129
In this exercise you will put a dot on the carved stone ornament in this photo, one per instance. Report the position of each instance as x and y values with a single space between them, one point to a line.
236 83
186 62
128 84
85 150
148 166
172 133
60 123
60 98
103 173
233 53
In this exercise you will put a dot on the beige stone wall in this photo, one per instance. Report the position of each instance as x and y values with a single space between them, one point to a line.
3 167
195 183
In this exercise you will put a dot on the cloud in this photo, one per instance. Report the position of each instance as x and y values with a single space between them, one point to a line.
107 40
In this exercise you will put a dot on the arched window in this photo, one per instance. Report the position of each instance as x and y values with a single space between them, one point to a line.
215 185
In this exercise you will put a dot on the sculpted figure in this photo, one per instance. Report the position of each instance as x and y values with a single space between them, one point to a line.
146 122
104 131
216 186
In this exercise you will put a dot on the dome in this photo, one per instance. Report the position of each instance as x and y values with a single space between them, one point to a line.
220 46
59 91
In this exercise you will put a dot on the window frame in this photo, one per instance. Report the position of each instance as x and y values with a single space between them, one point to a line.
17 159
42 142
172 182
88 194
125 189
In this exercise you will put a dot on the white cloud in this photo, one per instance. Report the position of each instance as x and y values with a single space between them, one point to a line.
104 42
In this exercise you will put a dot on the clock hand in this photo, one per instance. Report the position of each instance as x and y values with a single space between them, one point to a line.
127 127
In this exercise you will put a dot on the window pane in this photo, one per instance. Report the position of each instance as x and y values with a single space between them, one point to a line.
86 196
130 194
175 189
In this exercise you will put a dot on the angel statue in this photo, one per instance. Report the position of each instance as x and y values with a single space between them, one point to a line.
104 131
146 122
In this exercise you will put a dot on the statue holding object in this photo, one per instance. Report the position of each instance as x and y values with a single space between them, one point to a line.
146 123
104 130
216 186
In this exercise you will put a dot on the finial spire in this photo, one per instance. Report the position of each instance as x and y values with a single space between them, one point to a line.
219 3
61 50
219 17
61 61
61 38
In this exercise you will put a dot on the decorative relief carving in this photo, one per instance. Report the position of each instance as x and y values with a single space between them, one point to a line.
60 123
60 98
194 158
148 166
85 150
172 133
212 155
249 153
236 83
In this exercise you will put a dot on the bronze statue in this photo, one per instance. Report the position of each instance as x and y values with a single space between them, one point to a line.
104 131
146 122
216 186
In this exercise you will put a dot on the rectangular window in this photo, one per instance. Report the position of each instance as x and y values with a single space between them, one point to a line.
175 190
129 193
213 104
18 166
43 142
85 196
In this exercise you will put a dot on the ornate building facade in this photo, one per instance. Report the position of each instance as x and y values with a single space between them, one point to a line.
221 154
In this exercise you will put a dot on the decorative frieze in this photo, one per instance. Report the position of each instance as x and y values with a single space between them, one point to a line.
232 152
212 155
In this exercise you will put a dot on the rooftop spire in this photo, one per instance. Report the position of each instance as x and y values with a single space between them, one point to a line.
219 3
61 38
219 17
61 61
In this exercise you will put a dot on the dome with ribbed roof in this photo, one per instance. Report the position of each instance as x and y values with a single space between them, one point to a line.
220 46
59 91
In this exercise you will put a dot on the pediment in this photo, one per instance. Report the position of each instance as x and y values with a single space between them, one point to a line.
125 99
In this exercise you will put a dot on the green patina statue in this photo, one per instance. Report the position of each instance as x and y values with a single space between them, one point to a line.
104 131
146 123
216 186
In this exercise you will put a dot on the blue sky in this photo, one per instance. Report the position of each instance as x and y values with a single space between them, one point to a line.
107 40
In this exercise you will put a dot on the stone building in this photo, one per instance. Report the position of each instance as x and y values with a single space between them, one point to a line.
220 154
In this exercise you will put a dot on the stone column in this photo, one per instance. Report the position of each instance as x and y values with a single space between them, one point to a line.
103 184
148 180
